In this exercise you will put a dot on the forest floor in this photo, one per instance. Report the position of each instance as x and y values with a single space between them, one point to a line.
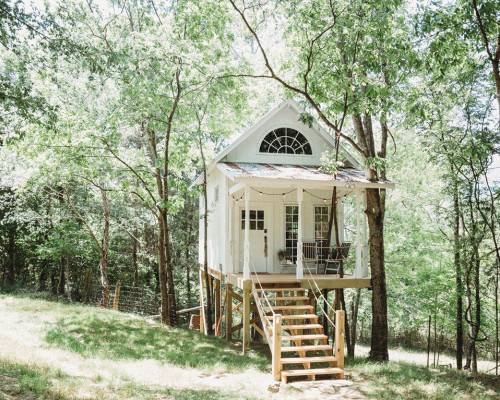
58 351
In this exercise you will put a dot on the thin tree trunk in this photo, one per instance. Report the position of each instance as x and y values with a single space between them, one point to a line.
458 274
134 262
11 277
103 265
68 281
354 321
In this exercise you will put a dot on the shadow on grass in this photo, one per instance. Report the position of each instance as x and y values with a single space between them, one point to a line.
110 335
402 380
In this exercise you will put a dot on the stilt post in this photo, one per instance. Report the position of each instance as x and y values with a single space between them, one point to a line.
217 286
339 337
276 347
229 310
202 302
246 316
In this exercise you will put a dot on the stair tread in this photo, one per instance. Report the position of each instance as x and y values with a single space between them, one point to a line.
304 337
296 316
315 347
294 298
301 360
301 327
294 307
313 371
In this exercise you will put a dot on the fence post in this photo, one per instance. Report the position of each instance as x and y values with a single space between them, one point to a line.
277 347
339 337
86 285
117 296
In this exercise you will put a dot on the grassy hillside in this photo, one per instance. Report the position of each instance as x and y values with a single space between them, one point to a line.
57 351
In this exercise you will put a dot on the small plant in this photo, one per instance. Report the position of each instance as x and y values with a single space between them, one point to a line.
285 255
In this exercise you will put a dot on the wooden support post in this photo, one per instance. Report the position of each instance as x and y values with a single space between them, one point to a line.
117 296
86 285
339 338
202 302
246 320
229 310
217 286
276 362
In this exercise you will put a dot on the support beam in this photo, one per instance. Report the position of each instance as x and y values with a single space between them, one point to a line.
246 254
202 302
246 320
339 338
276 346
217 287
229 310
300 241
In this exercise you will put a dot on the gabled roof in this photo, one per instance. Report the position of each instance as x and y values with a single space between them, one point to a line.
292 104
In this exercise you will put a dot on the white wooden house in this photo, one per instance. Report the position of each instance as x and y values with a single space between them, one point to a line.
269 197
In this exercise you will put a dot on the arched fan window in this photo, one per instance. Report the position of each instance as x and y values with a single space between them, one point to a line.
285 140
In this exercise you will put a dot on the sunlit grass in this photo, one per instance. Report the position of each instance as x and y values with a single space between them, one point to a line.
117 336
403 380
18 381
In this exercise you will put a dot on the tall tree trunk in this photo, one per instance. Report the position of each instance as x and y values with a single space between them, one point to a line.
354 321
375 204
104 254
458 274
11 253
134 262
162 274
68 281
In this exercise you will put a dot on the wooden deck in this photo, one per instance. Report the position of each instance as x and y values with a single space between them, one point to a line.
322 281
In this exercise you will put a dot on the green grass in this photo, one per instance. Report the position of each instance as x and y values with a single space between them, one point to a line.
32 382
116 336
28 381
402 380
108 336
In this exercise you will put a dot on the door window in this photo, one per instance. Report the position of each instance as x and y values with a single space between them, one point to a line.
256 220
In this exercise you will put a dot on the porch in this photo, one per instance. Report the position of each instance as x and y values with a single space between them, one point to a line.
316 281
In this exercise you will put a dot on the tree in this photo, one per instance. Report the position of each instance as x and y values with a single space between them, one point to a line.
348 60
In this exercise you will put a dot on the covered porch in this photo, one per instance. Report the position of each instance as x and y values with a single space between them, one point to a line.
279 224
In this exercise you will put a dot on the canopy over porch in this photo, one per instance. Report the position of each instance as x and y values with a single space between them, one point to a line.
248 178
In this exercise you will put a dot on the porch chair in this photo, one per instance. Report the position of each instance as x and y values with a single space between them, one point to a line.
336 255
310 256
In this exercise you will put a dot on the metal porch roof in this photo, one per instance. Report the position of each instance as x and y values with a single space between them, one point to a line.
240 170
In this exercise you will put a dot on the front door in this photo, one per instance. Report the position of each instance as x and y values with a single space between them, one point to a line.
260 237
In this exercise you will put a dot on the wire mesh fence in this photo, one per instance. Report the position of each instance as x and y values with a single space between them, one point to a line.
130 299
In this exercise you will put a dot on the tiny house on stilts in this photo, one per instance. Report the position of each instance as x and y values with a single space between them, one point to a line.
270 262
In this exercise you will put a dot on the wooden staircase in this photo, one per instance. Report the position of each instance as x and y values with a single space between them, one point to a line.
298 344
